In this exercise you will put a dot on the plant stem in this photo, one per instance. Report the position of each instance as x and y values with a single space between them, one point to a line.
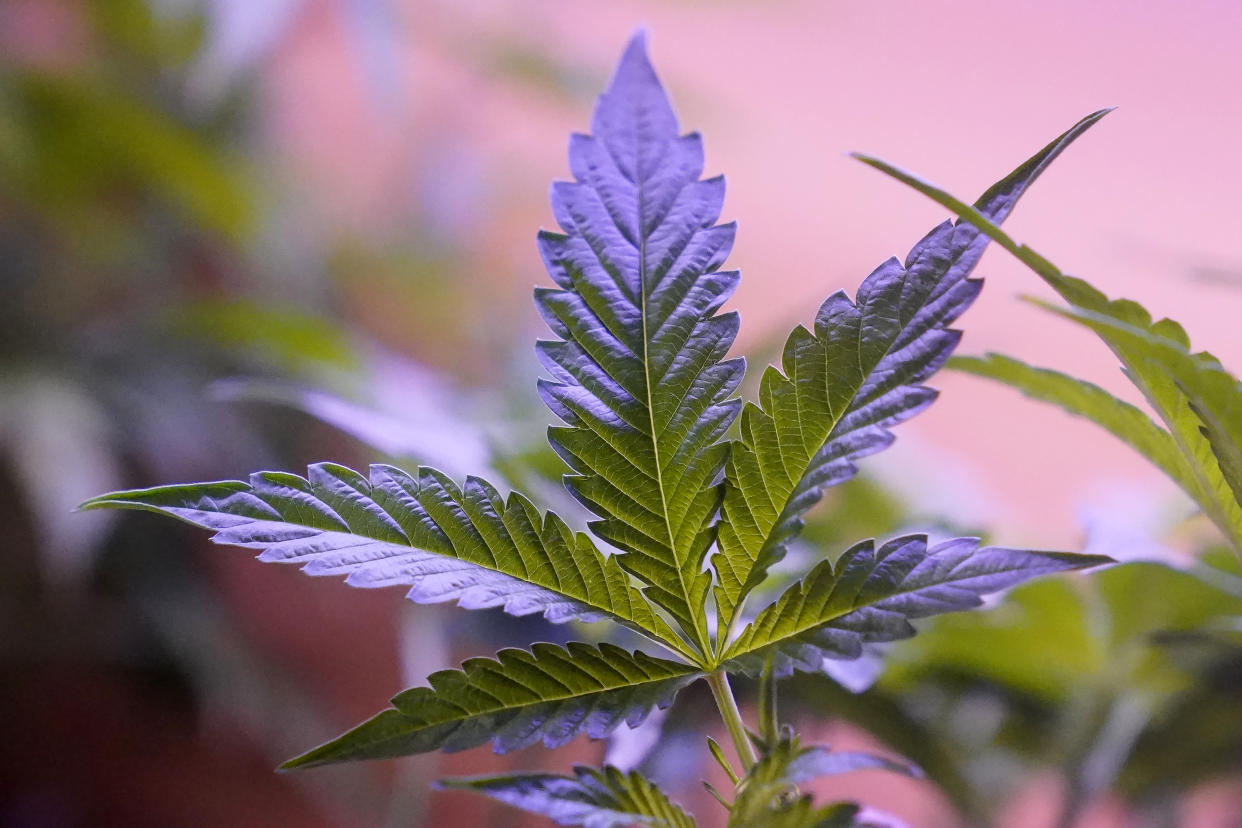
719 682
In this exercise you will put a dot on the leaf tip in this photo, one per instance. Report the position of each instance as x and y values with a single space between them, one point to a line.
637 42
1092 561
103 501
634 60
311 759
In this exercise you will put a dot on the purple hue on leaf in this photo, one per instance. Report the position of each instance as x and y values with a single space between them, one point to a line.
637 374
818 762
872 594
447 543
607 798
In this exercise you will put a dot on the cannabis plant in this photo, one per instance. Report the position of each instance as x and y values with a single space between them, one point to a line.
689 518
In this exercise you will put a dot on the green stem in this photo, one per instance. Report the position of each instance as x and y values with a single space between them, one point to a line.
719 682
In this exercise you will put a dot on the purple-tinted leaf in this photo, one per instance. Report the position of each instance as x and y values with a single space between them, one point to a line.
591 798
817 762
638 372
872 594
447 543
1156 357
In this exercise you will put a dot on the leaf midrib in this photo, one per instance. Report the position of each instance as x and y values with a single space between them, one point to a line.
697 633
834 418
688 672
674 645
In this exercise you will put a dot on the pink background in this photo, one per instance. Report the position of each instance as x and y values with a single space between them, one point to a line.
959 92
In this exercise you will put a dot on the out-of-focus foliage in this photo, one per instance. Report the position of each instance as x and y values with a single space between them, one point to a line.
119 212
1120 681
132 276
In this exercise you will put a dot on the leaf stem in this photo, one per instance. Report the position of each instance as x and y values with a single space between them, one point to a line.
769 721
719 682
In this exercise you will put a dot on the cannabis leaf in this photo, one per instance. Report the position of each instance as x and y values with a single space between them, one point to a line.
637 373
591 798
447 543
1197 400
871 595
640 380
548 695
845 384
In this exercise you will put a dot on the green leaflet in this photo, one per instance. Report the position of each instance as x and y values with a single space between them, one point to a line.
638 374
606 798
447 543
1156 356
798 811
872 593
1084 399
846 382
550 695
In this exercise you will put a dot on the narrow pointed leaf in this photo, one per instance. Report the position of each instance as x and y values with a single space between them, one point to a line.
591 798
1197 397
872 594
1084 399
1212 491
846 382
550 695
638 372
718 754
443 541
